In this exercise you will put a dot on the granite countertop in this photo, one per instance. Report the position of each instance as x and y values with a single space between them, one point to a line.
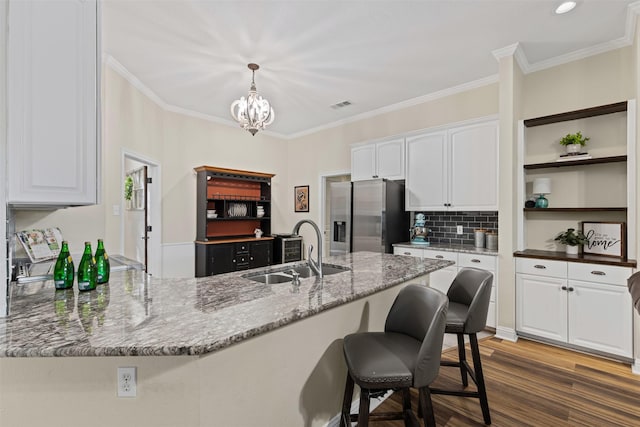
450 247
136 314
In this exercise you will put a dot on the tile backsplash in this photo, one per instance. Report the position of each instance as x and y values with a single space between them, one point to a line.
443 225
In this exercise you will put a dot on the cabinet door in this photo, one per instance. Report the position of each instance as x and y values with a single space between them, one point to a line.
221 259
260 254
442 279
390 159
600 317
473 177
426 186
541 306
52 103
363 162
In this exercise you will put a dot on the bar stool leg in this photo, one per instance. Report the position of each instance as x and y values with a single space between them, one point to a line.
426 407
477 367
363 414
462 358
346 403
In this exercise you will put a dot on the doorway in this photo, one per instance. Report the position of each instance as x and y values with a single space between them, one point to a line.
325 204
140 221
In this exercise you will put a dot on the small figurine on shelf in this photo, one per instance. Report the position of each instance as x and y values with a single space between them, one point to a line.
258 233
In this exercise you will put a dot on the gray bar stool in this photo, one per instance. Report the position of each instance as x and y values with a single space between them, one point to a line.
469 297
407 354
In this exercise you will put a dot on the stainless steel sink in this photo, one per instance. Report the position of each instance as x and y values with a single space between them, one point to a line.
283 275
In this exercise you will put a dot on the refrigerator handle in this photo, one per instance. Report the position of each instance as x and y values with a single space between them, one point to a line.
383 228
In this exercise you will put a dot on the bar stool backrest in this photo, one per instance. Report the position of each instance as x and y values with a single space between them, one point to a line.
472 287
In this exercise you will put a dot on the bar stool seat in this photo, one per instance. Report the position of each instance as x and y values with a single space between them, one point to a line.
407 354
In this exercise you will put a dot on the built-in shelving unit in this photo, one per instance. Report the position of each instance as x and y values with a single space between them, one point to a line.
601 188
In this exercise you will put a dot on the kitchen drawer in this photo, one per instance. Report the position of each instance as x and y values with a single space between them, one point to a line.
599 273
416 252
541 267
449 256
485 262
241 248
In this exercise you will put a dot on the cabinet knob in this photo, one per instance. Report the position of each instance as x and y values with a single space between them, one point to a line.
439 256
570 289
599 273
564 288
475 260
539 266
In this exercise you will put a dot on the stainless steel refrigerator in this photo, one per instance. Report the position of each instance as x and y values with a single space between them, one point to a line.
377 219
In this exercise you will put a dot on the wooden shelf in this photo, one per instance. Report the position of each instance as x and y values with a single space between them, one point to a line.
599 160
239 218
578 114
582 258
218 241
617 209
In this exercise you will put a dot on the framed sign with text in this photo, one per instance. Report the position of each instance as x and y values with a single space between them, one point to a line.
605 238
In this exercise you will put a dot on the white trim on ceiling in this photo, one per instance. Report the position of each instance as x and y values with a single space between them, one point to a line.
633 11
404 104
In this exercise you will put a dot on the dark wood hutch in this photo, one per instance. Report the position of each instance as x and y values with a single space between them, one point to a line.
242 203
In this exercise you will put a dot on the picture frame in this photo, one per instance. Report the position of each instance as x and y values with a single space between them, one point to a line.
301 198
606 238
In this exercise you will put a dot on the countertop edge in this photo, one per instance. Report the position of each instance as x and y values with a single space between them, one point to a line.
447 247
87 350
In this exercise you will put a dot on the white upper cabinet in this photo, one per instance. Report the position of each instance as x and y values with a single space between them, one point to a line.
53 96
453 169
426 186
473 177
378 160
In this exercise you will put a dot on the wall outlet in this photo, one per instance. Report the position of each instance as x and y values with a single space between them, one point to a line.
127 382
459 229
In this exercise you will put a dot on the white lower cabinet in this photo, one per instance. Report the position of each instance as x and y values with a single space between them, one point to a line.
442 279
585 305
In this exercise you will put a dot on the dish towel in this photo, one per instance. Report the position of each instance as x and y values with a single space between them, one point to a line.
634 288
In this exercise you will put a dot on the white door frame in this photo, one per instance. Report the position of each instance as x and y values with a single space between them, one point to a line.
323 200
154 243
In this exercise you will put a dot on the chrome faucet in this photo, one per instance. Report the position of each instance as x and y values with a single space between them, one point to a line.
316 266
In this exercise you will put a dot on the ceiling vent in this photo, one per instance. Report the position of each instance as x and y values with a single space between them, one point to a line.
341 105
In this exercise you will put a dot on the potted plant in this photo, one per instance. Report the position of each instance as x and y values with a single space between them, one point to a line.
572 239
574 142
128 190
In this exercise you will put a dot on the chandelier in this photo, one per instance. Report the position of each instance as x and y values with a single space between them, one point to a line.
253 112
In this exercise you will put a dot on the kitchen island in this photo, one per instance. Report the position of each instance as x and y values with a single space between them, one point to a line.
235 351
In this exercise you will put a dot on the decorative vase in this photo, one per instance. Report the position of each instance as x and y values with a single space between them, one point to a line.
573 148
127 204
572 250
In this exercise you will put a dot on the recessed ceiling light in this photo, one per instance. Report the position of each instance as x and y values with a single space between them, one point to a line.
565 7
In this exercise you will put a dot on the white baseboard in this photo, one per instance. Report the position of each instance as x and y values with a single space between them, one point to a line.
355 405
635 368
506 334
178 260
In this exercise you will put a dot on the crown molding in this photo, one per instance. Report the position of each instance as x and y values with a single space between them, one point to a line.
633 11
401 105
116 66
517 52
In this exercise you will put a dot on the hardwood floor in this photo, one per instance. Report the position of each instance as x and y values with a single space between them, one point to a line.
532 384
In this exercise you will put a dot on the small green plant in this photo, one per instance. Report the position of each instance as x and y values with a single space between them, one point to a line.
571 237
574 139
128 188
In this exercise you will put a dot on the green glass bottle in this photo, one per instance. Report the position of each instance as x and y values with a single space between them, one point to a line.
63 271
87 270
102 264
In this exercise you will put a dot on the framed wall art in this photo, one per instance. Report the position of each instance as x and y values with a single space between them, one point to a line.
301 198
605 238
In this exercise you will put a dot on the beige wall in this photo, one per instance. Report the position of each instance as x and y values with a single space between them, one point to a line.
329 150
178 143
